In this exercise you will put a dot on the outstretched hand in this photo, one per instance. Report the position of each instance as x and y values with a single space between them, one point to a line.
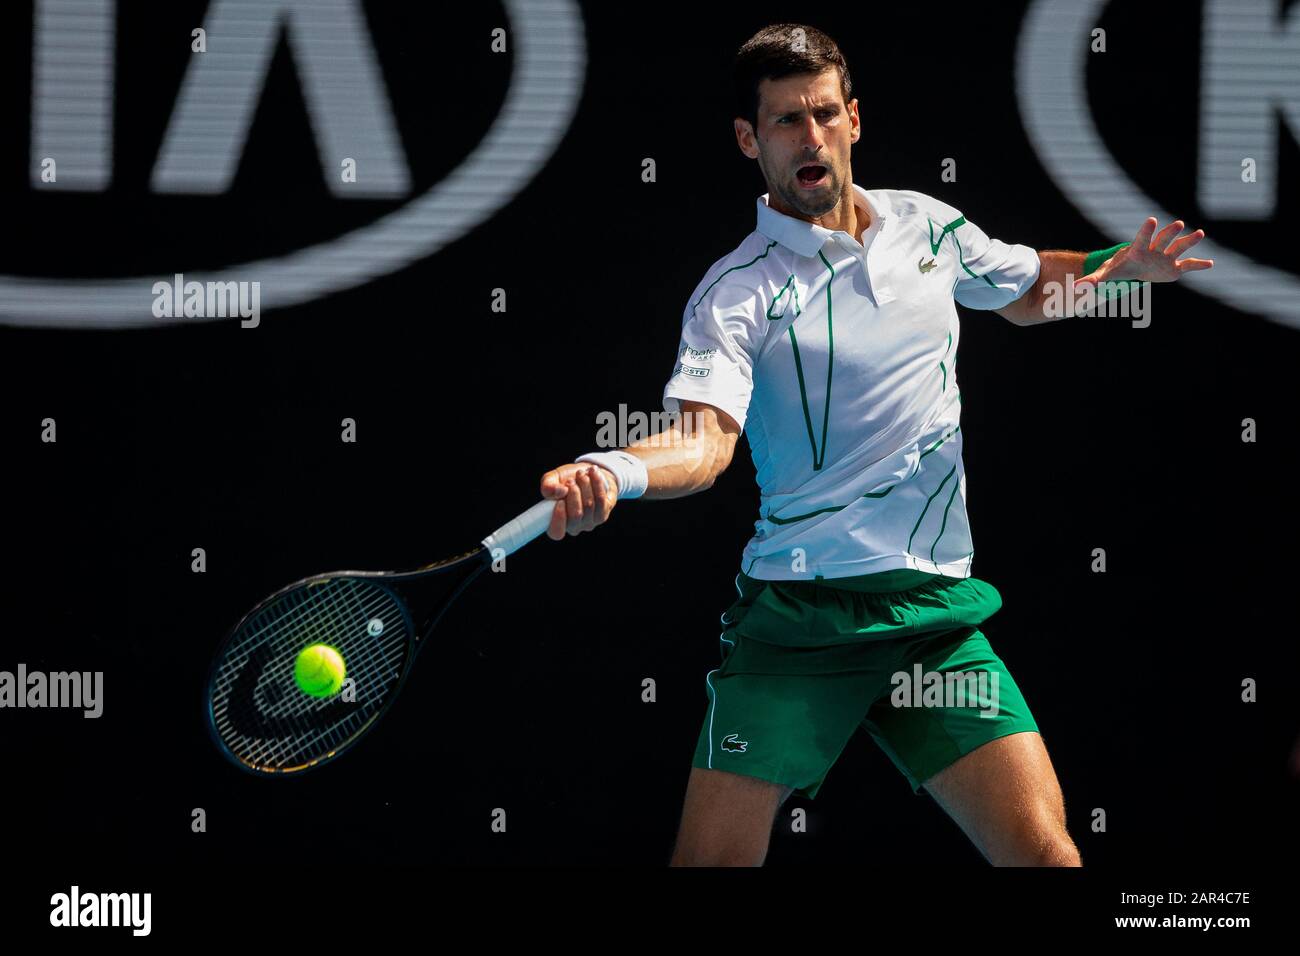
1151 260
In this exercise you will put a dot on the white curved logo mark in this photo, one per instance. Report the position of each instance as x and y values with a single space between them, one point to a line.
349 113
1249 77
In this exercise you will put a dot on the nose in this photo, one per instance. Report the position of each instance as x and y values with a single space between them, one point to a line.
811 139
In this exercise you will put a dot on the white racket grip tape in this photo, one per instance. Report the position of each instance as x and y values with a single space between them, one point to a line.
516 533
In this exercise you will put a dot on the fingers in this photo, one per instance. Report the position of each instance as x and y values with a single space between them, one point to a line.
553 484
595 499
586 502
1183 243
603 495
599 507
1162 238
559 520
583 499
573 504
1193 265
1143 238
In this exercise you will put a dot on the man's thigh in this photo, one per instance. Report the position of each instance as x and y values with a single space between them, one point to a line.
1006 798
967 735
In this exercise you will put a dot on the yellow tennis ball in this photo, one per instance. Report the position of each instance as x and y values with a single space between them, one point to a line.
319 670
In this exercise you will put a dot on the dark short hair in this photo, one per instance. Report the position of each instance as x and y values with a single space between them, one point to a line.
778 51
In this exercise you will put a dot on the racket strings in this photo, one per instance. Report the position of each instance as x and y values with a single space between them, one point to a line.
286 724
373 677
276 680
316 620
258 711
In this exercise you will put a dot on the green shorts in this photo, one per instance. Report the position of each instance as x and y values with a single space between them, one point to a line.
804 663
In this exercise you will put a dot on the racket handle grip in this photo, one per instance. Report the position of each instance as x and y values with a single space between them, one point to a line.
516 533
513 535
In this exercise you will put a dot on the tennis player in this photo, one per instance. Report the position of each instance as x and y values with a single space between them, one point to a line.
830 335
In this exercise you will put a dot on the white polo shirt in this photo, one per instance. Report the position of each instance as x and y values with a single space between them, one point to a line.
839 361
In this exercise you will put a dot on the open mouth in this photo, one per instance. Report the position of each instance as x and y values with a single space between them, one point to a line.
812 175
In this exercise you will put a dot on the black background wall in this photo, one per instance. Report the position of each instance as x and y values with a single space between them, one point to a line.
1080 434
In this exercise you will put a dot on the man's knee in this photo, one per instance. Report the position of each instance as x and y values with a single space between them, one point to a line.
685 854
1040 836
1045 845
1058 851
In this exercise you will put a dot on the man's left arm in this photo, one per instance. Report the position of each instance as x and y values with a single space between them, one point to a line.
1150 257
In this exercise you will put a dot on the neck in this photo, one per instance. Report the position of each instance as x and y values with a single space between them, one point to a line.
847 215
850 217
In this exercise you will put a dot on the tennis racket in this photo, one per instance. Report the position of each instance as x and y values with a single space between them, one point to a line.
377 620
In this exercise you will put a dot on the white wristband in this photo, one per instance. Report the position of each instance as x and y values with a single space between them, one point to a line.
629 471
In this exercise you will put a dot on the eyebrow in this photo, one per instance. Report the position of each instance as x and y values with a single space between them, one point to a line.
816 107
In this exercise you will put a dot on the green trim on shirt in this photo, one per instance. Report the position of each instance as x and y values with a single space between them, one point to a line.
944 523
962 259
944 387
761 255
943 438
794 291
822 511
818 455
927 506
934 245
870 494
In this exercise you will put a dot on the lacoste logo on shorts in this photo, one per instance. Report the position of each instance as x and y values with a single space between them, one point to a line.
730 742
926 267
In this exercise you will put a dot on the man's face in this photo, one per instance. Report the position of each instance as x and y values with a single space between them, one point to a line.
803 141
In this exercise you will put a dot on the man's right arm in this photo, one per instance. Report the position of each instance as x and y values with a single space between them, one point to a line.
685 458
688 456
